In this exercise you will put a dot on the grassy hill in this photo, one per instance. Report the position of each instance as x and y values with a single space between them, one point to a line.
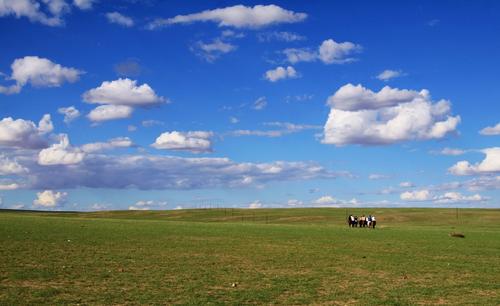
266 256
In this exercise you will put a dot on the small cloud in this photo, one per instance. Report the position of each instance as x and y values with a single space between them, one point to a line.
377 176
213 50
70 113
260 103
255 204
120 19
387 75
491 130
281 73
150 123
233 120
406 184
50 198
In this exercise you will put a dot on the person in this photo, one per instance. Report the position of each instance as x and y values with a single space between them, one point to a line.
374 222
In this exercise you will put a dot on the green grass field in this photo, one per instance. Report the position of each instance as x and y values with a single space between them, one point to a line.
274 256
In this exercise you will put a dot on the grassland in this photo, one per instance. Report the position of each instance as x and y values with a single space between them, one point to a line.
275 256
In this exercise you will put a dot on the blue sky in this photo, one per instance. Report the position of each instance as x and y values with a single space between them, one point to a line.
169 104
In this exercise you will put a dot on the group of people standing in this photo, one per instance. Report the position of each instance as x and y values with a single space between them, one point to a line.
362 221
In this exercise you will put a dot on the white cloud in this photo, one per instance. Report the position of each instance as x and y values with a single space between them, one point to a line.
131 128
326 200
332 52
196 141
260 103
238 16
70 113
491 164
115 17
31 10
45 125
50 198
10 166
84 4
360 116
456 197
491 130
294 202
147 205
123 92
279 36
212 51
329 52
284 129
119 142
376 176
138 207
61 153
330 201
233 120
417 195
9 186
25 134
452 151
406 184
281 73
356 97
255 205
39 72
386 75
110 112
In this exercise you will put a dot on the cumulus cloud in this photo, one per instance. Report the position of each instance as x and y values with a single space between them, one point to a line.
110 112
330 201
329 52
39 72
50 198
84 4
491 164
120 19
119 98
388 74
114 143
61 153
280 73
491 130
213 50
417 195
238 16
196 141
123 92
10 166
456 197
255 205
361 116
33 11
70 113
260 103
294 202
446 198
24 134
279 36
